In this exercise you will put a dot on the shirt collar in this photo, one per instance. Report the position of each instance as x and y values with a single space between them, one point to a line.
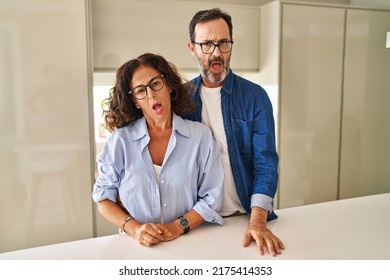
228 83
180 126
139 128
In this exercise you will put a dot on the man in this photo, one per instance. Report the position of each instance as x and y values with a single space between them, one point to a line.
239 113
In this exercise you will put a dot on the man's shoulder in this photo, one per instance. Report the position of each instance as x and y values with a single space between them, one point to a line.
243 88
195 80
246 82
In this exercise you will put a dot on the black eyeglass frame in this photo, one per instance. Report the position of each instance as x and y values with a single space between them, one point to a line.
148 85
215 45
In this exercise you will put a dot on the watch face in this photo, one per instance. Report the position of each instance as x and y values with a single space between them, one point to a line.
184 222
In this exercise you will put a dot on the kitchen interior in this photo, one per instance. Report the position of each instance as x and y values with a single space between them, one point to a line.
324 64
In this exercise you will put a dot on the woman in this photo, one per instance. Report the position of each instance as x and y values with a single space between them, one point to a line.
166 172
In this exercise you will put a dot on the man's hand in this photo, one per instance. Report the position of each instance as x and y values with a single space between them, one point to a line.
258 231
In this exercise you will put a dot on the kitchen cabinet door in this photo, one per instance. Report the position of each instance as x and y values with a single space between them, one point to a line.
310 103
365 148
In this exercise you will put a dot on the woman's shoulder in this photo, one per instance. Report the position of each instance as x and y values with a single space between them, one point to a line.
188 127
126 132
195 125
198 130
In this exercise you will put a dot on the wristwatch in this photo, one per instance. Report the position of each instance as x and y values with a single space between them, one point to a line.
184 223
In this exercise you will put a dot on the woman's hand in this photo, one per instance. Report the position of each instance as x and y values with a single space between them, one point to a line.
171 231
148 234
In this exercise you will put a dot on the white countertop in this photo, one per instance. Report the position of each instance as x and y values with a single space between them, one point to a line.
350 229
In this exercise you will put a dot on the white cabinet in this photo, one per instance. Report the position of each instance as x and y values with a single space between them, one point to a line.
310 103
365 153
334 93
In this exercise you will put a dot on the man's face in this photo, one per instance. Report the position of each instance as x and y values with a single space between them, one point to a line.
215 66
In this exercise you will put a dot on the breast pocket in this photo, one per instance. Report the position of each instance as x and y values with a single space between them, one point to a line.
243 134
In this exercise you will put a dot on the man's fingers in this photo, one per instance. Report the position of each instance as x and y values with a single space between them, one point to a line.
271 248
260 245
265 239
247 239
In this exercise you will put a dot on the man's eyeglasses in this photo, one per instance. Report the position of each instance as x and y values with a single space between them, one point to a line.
209 47
155 84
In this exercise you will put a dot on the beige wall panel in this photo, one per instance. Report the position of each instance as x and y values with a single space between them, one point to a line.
365 153
125 29
310 102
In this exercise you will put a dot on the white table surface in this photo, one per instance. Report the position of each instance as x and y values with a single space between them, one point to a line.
350 229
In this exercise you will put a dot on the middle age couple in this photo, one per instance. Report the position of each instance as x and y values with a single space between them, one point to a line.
182 155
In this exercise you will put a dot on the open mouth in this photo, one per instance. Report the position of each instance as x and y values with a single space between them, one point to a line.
216 66
157 107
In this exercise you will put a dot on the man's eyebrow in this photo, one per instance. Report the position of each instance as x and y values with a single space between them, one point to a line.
206 41
212 41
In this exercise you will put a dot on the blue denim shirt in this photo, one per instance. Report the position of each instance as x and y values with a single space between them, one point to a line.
250 133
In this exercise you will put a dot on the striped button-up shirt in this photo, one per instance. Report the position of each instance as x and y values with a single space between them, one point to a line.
191 176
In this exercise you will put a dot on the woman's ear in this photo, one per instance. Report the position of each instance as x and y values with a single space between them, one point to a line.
173 94
136 104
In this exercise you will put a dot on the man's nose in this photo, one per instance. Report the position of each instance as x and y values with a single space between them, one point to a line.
216 51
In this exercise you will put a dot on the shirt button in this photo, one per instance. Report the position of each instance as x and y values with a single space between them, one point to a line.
162 181
165 204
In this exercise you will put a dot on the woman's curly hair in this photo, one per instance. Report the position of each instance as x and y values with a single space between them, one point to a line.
119 108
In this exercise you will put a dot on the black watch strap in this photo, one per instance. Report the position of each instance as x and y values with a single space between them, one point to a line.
185 224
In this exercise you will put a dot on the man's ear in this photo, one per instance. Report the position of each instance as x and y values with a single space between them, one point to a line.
191 47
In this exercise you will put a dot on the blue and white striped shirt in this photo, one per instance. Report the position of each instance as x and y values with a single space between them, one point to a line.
191 176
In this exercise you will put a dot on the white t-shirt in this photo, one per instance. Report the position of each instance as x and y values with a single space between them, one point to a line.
157 169
212 117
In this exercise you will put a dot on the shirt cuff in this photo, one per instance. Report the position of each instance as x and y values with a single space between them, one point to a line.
208 214
100 194
263 201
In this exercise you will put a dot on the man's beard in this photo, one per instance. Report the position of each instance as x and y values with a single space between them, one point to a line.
214 77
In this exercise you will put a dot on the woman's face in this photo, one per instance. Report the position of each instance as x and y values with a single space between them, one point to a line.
157 103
